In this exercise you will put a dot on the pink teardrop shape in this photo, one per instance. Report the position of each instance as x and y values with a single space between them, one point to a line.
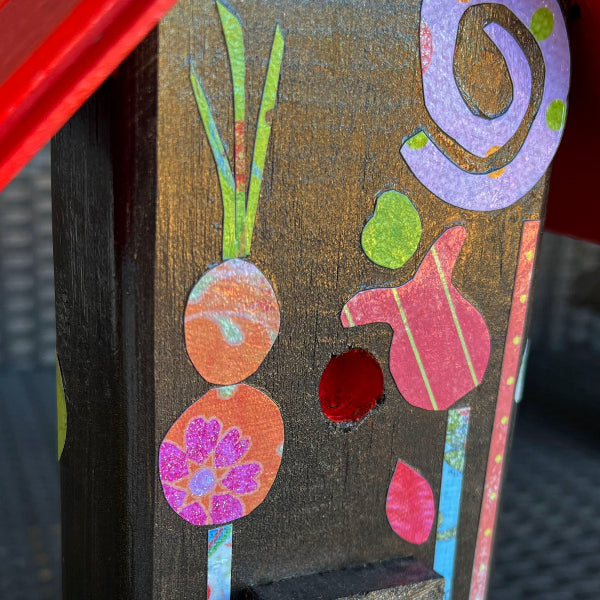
410 508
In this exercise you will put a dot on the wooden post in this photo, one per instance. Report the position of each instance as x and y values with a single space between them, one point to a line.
289 357
104 206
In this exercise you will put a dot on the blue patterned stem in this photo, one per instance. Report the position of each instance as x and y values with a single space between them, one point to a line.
450 494
219 563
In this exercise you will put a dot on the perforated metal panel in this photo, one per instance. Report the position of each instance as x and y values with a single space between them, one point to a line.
27 331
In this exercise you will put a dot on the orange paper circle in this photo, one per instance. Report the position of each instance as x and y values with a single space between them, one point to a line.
220 458
231 322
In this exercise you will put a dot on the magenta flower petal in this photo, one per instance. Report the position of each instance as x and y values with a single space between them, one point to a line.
231 449
174 497
172 463
225 508
241 479
201 438
194 514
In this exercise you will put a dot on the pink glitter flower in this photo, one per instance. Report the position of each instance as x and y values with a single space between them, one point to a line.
202 483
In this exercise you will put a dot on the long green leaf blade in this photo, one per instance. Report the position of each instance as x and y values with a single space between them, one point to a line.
226 181
234 39
263 132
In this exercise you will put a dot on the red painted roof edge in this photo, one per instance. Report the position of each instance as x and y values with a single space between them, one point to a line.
65 70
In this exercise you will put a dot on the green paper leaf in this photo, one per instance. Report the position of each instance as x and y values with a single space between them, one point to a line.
263 132
61 410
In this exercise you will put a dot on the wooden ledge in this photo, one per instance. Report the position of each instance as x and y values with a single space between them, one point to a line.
395 579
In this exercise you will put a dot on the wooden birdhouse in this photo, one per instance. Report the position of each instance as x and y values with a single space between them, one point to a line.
294 252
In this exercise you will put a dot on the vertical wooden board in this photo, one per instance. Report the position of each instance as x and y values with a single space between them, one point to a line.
350 93
103 189
86 336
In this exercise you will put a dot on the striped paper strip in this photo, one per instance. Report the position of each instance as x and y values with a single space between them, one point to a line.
219 563
450 495
504 409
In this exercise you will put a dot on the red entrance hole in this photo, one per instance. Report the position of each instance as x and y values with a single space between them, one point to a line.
351 386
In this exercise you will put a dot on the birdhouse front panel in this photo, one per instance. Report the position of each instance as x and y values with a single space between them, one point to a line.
348 211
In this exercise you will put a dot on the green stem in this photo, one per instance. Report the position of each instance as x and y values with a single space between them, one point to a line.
226 180
234 39
263 132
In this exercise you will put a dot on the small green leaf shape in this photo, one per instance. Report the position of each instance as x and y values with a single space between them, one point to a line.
556 114
393 233
418 141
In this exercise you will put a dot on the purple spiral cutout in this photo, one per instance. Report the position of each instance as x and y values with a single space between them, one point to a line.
479 135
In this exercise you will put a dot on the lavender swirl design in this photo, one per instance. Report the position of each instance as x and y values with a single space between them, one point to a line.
481 161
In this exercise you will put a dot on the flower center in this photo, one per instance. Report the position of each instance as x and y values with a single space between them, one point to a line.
202 482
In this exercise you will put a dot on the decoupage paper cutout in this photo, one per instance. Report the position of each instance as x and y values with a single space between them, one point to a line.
522 374
441 345
450 496
542 24
504 410
220 458
234 40
351 386
232 317
218 575
409 507
239 212
61 410
231 322
465 180
393 233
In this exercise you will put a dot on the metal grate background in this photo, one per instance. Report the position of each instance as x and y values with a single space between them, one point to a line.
27 330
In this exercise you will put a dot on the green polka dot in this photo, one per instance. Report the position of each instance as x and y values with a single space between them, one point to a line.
393 233
416 142
556 114
542 24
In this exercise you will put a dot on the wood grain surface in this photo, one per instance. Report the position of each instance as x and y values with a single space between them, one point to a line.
139 216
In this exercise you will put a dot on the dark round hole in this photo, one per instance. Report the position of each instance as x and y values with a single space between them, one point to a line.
351 386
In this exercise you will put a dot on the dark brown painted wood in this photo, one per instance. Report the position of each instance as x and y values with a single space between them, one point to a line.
104 185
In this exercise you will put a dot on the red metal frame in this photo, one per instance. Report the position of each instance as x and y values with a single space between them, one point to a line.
63 69
574 196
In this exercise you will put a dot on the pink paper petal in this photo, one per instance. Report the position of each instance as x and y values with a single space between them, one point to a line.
231 449
225 508
201 438
410 508
174 497
241 479
194 514
172 463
